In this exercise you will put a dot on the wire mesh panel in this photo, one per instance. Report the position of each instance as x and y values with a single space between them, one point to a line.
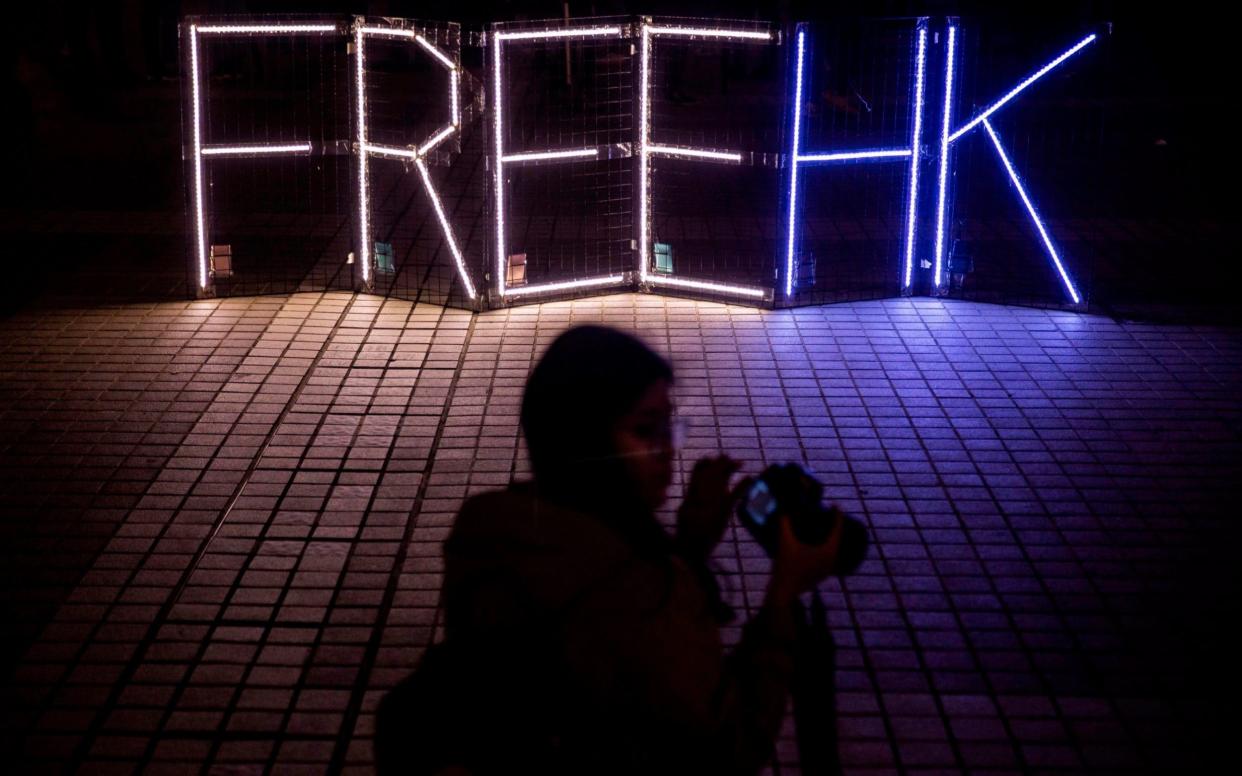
268 154
1027 207
562 131
711 100
853 165
421 197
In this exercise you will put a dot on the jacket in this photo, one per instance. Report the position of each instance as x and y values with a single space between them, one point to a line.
593 655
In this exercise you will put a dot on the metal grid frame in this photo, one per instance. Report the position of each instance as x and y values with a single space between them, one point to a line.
854 160
997 195
397 147
554 154
277 162
737 142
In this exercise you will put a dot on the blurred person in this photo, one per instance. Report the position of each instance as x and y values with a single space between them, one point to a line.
581 637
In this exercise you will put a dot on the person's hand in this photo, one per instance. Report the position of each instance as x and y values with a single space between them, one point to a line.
704 513
799 567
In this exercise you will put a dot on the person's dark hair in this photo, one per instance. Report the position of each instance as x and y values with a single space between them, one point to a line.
588 379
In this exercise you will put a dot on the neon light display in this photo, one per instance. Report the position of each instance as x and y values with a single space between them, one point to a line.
933 118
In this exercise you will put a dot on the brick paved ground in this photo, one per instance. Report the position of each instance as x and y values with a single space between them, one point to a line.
221 519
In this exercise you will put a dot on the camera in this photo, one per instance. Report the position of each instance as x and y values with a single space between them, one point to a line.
788 489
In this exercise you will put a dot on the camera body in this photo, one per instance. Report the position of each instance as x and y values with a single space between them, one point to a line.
789 490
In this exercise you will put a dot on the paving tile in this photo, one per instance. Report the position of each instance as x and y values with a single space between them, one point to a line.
222 519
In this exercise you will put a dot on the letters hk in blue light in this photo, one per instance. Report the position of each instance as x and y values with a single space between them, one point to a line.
937 132
934 132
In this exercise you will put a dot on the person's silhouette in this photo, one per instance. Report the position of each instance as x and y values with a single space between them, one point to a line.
580 636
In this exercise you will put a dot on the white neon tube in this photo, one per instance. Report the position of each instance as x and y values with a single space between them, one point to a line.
696 153
436 139
199 218
454 74
501 158
944 153
536 156
720 288
568 284
1020 87
364 207
1030 208
497 113
411 35
850 156
711 32
571 32
445 226
256 149
266 29
389 32
646 149
454 88
367 149
915 136
435 52
644 159
793 168
395 152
